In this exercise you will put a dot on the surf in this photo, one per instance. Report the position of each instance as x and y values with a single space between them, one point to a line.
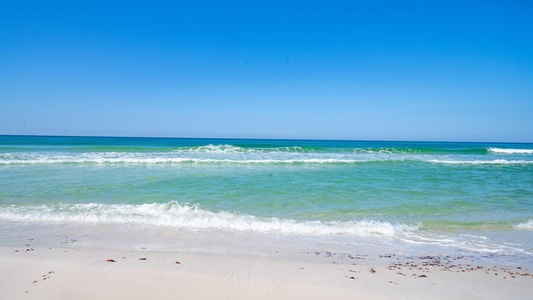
193 217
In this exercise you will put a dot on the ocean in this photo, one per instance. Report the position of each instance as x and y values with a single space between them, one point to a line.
270 196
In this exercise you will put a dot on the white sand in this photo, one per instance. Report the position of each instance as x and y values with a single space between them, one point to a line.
70 273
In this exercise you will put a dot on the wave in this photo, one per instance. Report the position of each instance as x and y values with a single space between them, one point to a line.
526 225
221 156
227 153
226 148
468 242
136 158
210 148
510 151
192 217
242 148
481 162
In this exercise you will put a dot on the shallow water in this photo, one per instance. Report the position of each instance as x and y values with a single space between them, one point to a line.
474 198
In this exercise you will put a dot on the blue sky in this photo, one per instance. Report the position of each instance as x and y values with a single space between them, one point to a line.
378 70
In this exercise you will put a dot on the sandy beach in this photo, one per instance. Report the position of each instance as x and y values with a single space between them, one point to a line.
266 150
36 272
137 218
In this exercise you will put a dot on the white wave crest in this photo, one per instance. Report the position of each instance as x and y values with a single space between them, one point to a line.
192 217
526 225
511 151
180 157
229 149
481 162
234 155
216 149
173 160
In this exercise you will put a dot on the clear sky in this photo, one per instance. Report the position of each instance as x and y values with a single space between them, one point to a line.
378 70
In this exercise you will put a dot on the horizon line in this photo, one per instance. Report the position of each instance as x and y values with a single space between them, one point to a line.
266 139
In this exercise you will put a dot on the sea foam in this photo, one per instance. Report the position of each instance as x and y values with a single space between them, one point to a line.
192 217
526 225
223 155
511 151
480 162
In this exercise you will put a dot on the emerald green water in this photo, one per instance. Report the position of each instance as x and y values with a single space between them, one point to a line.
411 192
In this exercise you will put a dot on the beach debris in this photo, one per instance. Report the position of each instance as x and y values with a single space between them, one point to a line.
110 260
411 265
45 276
24 250
178 263
142 258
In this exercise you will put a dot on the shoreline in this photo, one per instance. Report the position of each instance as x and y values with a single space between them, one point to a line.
34 271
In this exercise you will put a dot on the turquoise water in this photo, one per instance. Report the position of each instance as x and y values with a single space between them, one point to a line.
474 197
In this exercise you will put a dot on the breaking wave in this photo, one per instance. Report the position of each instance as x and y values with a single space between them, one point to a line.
236 155
481 162
192 217
526 225
510 151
